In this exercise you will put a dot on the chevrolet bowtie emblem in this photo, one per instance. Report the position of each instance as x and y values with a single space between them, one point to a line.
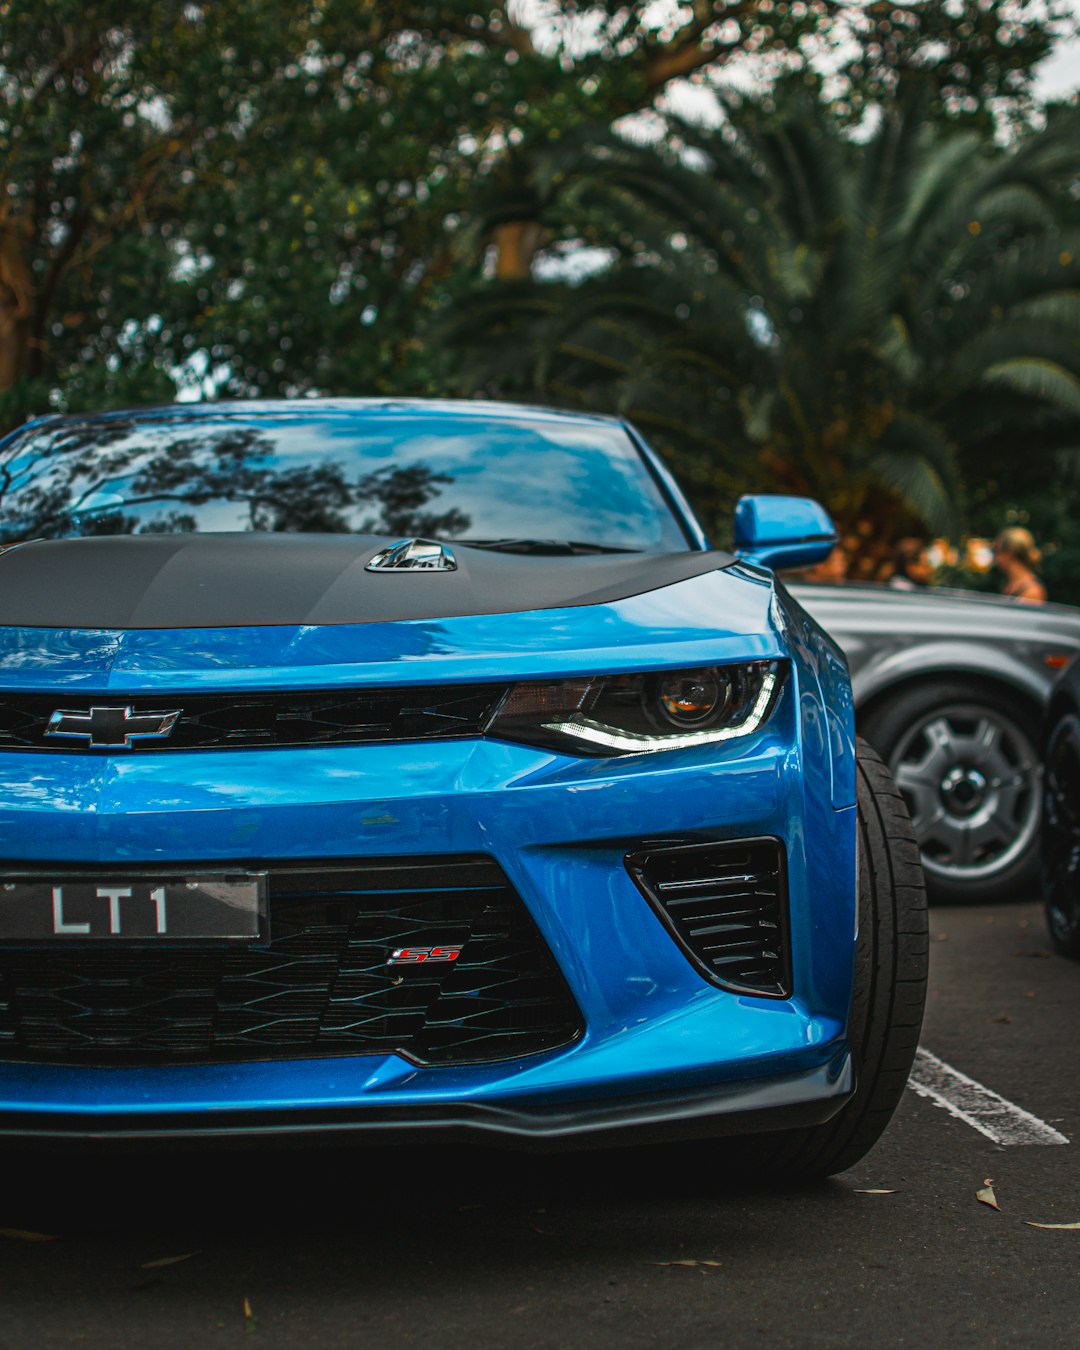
114 728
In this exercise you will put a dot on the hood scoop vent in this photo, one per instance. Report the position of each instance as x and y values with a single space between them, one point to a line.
413 555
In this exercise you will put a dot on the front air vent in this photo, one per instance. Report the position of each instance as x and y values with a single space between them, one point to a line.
726 906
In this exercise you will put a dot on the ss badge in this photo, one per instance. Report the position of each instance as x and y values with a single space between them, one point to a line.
412 956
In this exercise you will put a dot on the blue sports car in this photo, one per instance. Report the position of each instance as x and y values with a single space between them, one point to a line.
396 767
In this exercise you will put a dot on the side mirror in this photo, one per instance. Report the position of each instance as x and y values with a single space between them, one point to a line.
775 531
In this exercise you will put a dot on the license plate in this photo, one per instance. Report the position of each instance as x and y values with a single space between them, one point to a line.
218 907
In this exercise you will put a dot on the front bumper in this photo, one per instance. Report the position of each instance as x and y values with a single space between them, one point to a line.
792 1101
663 1051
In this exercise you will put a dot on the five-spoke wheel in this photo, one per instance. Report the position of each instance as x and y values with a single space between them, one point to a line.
967 765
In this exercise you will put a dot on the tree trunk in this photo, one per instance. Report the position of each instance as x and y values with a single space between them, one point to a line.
517 243
16 302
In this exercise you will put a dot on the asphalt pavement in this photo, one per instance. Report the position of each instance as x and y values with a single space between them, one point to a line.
469 1248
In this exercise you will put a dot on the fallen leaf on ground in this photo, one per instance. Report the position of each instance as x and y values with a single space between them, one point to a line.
1038 952
941 937
687 1262
167 1261
1051 1225
874 1192
987 1196
1005 1021
27 1235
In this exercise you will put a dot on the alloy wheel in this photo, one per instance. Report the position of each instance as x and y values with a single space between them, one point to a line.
970 777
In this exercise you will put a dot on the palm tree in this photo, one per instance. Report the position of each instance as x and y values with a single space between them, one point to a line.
867 323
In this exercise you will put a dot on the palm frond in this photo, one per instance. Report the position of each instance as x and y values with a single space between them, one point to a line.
1059 307
917 461
855 315
1040 379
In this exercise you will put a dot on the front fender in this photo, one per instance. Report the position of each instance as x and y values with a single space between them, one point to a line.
887 669
828 711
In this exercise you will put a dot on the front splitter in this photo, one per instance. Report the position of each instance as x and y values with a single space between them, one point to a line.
790 1102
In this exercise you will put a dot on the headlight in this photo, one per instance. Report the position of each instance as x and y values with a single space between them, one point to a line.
634 714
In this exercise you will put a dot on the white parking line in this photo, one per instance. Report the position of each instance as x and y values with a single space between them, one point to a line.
1000 1120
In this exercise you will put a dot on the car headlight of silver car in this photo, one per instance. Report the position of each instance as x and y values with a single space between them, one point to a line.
638 714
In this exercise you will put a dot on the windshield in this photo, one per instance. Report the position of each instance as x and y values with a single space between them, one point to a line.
444 475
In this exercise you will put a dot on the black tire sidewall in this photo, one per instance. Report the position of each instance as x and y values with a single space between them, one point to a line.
890 967
888 993
1065 937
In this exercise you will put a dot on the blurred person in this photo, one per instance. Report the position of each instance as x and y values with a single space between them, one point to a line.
1016 555
913 568
978 555
942 553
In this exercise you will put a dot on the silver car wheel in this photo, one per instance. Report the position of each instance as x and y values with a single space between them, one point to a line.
970 777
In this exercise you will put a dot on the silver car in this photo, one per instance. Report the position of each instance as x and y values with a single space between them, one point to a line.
950 687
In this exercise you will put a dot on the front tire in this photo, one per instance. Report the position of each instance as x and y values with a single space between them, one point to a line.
888 995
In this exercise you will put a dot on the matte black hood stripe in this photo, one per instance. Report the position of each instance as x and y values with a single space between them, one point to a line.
264 580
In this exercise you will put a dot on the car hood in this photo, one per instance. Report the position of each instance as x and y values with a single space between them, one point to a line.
259 580
213 612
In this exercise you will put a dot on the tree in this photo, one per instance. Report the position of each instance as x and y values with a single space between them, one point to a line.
108 121
864 323
974 60
268 196
269 188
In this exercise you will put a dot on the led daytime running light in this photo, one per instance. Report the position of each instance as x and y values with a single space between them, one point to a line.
597 734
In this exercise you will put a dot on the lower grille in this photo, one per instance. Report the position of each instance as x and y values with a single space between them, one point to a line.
321 985
726 906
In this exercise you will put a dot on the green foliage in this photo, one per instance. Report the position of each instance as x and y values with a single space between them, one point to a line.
786 308
265 195
285 196
113 119
973 60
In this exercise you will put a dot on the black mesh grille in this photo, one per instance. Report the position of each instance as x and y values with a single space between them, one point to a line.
321 986
236 721
726 906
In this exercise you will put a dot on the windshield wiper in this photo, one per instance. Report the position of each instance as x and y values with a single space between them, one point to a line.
554 548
